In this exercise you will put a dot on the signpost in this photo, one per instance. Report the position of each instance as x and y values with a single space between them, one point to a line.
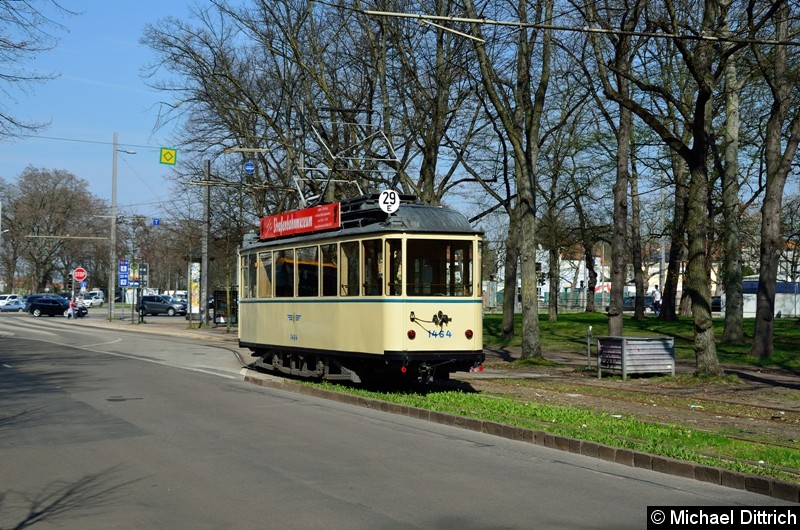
249 167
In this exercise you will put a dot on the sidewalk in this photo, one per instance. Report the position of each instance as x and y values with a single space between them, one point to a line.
176 326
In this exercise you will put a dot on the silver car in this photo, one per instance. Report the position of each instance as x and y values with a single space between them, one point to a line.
92 300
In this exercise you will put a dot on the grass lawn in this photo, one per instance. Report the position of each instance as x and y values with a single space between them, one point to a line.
571 331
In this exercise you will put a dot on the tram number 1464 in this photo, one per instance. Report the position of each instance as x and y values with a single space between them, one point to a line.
439 334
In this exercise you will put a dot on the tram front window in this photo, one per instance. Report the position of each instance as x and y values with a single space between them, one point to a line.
439 268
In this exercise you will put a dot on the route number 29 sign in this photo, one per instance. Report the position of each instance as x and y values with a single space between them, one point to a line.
389 201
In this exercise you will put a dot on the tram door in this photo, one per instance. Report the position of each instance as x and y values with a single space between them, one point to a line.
285 331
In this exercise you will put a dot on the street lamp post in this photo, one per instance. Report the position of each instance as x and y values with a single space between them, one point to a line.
112 253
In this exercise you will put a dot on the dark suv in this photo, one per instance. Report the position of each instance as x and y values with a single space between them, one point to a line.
49 305
160 304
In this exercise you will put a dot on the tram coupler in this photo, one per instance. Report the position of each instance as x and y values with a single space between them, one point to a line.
425 373
477 367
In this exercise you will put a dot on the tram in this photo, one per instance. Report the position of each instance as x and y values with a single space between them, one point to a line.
346 291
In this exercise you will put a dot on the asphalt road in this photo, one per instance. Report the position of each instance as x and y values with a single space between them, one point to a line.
106 428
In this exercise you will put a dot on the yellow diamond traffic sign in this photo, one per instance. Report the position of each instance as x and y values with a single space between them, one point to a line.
168 156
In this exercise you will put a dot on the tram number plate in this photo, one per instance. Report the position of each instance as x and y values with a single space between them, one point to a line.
439 334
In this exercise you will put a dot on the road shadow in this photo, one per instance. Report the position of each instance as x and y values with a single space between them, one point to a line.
60 500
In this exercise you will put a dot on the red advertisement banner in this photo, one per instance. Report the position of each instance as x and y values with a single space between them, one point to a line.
322 217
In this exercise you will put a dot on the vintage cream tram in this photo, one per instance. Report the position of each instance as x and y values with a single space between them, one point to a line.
347 291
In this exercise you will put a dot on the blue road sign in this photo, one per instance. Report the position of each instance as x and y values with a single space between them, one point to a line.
122 280
249 167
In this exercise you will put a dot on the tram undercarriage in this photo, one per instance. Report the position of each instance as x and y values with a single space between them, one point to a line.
327 367
306 365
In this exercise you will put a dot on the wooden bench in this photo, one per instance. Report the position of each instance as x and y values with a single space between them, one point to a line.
640 355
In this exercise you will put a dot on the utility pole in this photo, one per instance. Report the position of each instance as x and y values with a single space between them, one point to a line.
204 246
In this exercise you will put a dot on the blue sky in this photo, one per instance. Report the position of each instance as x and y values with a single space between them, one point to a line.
99 91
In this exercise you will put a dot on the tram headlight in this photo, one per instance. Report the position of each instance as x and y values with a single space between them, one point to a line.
412 334
468 334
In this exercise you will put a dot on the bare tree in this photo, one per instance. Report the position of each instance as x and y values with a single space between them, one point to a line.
780 71
27 31
520 105
48 220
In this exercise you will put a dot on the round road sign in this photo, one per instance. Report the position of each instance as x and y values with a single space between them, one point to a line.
249 168
79 274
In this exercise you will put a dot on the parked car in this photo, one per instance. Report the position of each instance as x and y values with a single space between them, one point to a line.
92 300
28 299
49 305
5 298
12 306
716 304
97 293
160 304
629 304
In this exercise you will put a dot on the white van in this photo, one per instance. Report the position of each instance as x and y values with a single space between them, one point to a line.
96 294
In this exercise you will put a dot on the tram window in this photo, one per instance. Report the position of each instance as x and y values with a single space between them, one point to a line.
460 268
394 267
349 268
284 273
442 268
329 279
265 275
307 271
244 273
373 264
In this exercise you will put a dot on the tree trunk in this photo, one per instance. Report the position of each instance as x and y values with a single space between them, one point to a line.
732 260
555 280
697 282
636 246
588 251
677 248
510 279
620 229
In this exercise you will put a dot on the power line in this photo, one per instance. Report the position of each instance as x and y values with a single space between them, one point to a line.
77 140
585 29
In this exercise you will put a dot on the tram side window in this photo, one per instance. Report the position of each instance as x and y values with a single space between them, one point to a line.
373 267
284 273
244 272
350 278
394 267
308 271
265 275
442 268
329 261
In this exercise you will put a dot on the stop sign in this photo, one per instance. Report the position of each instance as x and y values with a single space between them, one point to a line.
79 274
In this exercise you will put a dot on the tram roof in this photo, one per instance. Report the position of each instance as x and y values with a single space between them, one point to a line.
362 216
